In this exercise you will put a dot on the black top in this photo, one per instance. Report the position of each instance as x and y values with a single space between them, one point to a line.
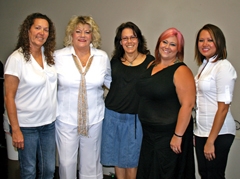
159 101
122 96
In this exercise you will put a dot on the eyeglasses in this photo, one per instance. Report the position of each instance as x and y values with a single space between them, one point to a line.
132 38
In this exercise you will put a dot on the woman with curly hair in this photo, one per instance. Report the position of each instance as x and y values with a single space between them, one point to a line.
30 96
82 70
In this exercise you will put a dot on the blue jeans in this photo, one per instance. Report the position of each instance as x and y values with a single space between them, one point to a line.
39 147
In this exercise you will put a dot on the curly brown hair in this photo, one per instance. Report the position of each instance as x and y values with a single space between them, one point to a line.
23 38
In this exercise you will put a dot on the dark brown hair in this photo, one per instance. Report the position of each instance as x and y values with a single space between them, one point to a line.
218 40
142 44
23 38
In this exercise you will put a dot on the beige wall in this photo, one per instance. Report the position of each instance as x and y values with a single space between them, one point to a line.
152 16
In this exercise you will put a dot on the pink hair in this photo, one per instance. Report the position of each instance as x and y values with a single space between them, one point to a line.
180 45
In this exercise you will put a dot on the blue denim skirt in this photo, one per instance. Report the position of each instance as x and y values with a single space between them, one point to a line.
121 139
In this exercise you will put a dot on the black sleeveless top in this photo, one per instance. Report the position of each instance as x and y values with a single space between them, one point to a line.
122 96
159 102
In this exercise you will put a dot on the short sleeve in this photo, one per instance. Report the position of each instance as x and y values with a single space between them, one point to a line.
13 65
225 80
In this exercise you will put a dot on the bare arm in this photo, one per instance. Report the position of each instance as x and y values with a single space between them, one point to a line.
11 84
209 149
225 77
186 91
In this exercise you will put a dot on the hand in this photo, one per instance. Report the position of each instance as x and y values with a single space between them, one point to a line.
209 151
17 139
175 144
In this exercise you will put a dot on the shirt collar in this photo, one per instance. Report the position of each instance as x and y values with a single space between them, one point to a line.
210 59
93 51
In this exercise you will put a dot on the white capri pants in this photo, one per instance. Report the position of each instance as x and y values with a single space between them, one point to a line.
76 149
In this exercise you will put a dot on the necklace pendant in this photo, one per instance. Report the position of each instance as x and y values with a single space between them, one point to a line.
176 61
130 62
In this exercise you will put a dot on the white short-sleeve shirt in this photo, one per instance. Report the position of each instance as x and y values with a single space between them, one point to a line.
69 78
215 84
36 96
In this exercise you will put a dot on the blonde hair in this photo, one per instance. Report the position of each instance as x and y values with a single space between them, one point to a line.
72 25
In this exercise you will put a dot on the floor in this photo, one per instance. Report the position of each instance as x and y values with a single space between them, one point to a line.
9 169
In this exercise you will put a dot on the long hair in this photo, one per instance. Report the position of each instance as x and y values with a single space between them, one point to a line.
218 40
180 43
23 38
74 22
142 44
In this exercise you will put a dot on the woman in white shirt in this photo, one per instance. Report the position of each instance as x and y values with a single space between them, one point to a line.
82 71
215 126
31 97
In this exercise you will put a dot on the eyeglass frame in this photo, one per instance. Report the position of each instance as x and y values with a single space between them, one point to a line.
131 38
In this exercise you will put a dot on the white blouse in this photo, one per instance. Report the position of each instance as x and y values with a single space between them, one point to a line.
99 74
215 84
36 96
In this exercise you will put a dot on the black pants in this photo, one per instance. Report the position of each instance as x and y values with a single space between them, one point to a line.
214 169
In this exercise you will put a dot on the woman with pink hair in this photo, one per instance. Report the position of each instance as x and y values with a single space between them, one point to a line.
167 91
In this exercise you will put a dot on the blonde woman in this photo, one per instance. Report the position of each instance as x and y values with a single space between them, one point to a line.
82 71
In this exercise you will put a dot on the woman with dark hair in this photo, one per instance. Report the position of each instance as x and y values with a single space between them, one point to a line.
215 80
122 131
31 92
25 40
167 93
